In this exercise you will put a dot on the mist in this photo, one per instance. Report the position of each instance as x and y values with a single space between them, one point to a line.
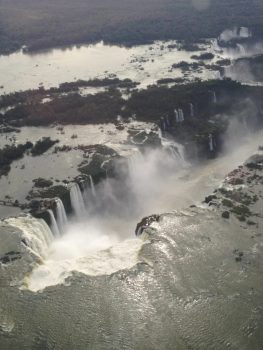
153 182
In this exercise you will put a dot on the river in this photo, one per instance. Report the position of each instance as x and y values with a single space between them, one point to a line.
94 285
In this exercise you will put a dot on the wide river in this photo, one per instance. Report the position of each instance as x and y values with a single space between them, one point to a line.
145 64
98 287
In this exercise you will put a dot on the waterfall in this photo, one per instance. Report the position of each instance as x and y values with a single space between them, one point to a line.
244 32
181 115
241 49
162 124
236 33
213 96
35 232
92 186
176 114
54 225
167 119
211 142
192 111
176 150
61 215
77 201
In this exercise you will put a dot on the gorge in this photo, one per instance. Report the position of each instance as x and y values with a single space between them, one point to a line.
132 217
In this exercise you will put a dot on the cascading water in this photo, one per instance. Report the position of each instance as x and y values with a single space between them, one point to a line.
214 97
36 233
244 32
241 49
181 115
54 225
211 143
235 33
77 201
176 151
176 115
62 219
192 112
92 186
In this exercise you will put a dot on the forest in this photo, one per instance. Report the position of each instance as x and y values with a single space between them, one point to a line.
40 24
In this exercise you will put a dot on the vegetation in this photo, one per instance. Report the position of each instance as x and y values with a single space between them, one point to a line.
148 105
41 183
10 153
227 203
42 146
106 82
203 56
48 23
242 212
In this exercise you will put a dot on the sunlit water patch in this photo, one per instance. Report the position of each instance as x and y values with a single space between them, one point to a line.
145 64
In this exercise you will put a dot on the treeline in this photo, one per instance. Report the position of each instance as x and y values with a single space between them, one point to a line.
43 145
147 105
70 109
45 24
10 153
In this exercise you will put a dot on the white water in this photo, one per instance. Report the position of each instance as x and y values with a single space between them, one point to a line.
214 97
181 115
235 33
36 232
77 201
100 241
211 143
56 66
54 225
92 187
62 219
176 115
192 111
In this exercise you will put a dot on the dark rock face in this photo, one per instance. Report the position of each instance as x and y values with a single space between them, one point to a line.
146 222
51 193
210 198
42 215
255 162
99 162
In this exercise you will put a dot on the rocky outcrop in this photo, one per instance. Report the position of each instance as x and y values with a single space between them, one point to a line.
240 195
145 223
99 162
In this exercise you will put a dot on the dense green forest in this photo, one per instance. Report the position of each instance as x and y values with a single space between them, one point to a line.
49 23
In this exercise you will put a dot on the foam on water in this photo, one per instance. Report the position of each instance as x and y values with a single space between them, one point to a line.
84 249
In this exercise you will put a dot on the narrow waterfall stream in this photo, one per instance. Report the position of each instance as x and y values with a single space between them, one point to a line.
54 224
61 215
77 201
